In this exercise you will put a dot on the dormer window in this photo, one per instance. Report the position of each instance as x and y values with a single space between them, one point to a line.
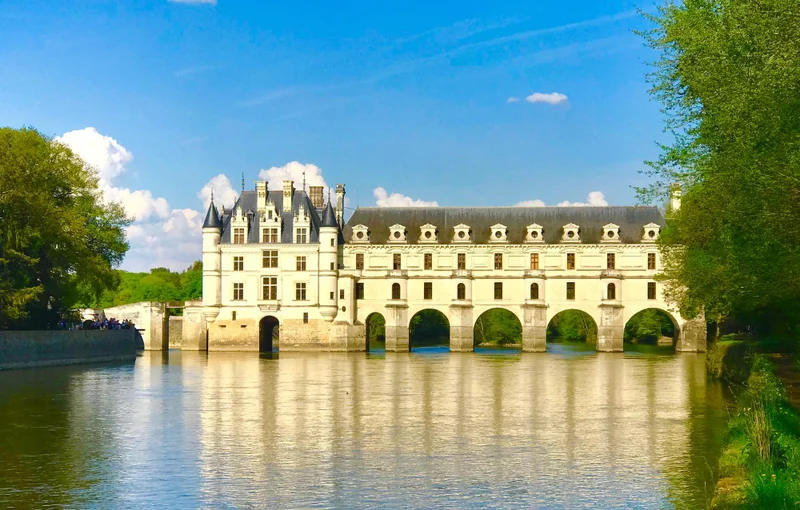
462 234
535 234
302 226
397 234
499 234
360 234
610 233
428 234
651 232
571 233
270 214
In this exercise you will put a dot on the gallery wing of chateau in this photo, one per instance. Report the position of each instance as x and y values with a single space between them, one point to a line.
284 260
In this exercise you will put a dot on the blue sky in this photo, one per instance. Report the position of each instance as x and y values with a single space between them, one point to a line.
411 97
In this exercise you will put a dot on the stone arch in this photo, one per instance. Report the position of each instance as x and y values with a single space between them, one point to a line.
375 324
428 327
572 325
649 329
498 326
268 334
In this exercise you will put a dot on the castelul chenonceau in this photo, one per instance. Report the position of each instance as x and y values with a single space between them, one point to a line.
283 270
418 255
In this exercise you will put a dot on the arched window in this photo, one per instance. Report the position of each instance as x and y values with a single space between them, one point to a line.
395 291
534 291
461 291
612 291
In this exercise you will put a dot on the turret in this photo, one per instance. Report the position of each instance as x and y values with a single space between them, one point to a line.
212 260
328 255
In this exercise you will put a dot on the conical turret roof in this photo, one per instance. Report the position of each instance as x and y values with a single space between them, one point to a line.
329 217
212 217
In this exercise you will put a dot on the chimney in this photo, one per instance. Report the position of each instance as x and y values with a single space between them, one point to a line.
288 192
675 194
340 203
315 193
261 193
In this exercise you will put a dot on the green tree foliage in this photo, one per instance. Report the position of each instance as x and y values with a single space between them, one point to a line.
648 326
572 326
160 284
498 327
429 327
59 241
729 79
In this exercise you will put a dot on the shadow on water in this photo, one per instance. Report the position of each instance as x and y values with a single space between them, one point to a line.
639 350
434 350
571 349
499 351
268 355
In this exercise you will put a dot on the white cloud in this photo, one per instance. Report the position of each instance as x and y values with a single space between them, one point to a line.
512 100
384 199
103 153
595 198
224 194
530 203
159 236
553 98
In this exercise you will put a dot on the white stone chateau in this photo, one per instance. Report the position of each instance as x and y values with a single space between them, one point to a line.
286 261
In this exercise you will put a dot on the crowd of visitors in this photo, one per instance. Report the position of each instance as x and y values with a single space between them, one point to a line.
111 323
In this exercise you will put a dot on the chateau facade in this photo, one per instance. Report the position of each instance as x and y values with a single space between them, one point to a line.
284 261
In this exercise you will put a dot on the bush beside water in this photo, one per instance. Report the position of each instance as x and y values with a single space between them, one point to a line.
760 465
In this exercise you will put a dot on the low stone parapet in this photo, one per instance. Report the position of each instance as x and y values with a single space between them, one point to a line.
27 349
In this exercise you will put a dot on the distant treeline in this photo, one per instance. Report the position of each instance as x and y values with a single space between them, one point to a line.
160 284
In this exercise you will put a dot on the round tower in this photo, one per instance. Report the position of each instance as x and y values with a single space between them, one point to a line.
212 263
328 271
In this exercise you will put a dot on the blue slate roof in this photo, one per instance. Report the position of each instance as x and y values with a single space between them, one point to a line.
248 201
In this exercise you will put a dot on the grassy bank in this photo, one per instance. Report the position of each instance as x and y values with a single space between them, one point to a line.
760 464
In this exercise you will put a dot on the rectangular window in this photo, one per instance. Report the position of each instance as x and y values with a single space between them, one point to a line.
238 263
238 236
341 293
300 264
462 260
332 295
651 290
534 261
269 258
299 291
498 290
269 235
570 261
238 291
427 290
396 261
429 261
305 318
359 291
302 236
233 316
611 261
269 288
498 261
332 241
359 261
570 290
651 261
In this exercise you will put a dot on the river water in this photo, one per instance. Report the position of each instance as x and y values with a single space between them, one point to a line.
569 428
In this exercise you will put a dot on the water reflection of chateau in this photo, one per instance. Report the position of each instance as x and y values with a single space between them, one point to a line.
285 259
616 428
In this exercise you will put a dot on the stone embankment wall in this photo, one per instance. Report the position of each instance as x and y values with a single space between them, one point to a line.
25 349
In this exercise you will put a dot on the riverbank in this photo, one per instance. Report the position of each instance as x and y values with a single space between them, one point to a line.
29 349
760 463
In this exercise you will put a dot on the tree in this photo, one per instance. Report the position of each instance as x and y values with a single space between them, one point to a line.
572 326
729 79
59 241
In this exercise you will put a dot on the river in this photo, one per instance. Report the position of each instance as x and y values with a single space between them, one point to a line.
568 428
